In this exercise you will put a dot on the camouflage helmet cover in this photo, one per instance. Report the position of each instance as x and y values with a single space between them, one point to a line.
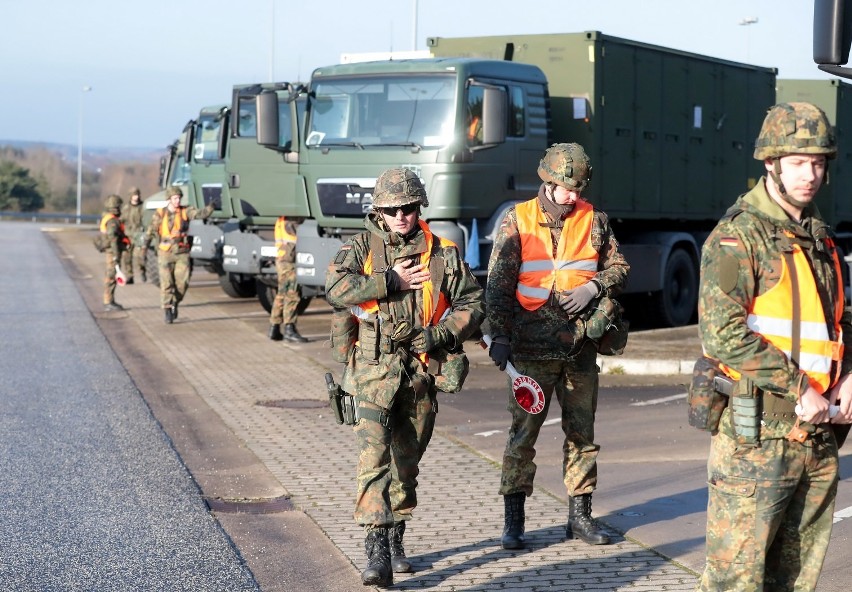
566 165
795 128
135 191
173 190
398 187
113 202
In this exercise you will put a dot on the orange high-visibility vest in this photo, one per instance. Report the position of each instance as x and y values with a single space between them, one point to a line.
576 260
433 309
109 216
177 233
282 237
771 315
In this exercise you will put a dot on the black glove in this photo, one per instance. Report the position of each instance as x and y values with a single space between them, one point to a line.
573 301
431 338
500 353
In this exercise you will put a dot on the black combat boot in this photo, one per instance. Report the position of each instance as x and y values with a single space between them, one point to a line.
580 524
275 332
399 562
112 307
513 527
290 334
174 311
169 315
378 572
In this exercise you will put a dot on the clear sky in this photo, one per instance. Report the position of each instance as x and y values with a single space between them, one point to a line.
151 64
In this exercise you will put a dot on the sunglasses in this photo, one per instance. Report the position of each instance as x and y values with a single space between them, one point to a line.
406 210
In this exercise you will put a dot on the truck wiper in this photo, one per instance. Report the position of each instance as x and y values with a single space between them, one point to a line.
415 145
349 144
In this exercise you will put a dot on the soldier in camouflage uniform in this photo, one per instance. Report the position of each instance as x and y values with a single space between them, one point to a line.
554 257
112 226
289 294
415 299
771 312
131 215
170 225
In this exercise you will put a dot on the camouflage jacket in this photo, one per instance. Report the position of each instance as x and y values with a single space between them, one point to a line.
132 217
347 286
548 332
117 238
156 222
741 258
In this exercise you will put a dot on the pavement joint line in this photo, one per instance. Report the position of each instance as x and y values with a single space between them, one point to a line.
453 540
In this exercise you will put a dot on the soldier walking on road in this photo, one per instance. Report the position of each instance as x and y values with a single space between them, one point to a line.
771 313
555 257
170 225
416 302
131 215
112 226
286 304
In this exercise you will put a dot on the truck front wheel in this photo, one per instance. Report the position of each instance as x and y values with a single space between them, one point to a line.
676 303
236 288
266 295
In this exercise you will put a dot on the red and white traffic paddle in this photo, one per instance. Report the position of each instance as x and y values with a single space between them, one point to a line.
527 391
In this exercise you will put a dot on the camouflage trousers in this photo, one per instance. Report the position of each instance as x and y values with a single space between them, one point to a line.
288 296
389 458
769 514
132 261
174 271
576 385
109 279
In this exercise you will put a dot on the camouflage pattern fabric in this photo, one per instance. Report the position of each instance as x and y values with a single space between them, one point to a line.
547 333
175 271
770 508
114 253
152 235
396 381
389 459
576 385
289 293
769 513
131 259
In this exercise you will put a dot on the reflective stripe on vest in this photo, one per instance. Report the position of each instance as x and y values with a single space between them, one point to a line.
432 311
771 315
177 233
576 260
282 237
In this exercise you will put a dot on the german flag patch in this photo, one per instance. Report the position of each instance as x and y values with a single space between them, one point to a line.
729 241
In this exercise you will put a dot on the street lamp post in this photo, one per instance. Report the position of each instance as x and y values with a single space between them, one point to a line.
84 90
747 21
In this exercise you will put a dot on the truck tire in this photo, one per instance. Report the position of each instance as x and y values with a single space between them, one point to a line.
237 288
676 304
266 295
152 269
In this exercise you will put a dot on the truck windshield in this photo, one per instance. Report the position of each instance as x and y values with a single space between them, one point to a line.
383 111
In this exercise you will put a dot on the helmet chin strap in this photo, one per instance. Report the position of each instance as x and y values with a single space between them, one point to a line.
775 173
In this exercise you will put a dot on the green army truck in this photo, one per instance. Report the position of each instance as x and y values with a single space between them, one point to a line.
669 133
207 152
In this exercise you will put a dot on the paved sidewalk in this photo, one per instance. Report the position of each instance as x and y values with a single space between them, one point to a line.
453 540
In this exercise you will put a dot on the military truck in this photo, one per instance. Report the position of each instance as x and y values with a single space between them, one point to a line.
669 133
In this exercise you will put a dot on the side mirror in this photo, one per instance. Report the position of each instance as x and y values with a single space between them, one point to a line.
267 119
832 36
495 106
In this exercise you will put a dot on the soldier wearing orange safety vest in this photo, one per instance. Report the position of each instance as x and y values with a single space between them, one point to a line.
555 259
170 226
112 228
412 302
772 316
289 294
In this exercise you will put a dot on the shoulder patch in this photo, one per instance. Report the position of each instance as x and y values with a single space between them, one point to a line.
729 272
341 254
729 241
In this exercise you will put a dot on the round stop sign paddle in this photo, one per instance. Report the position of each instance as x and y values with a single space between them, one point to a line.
527 391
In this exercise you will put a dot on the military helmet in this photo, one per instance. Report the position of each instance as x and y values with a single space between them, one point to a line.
795 128
173 190
113 202
566 165
398 187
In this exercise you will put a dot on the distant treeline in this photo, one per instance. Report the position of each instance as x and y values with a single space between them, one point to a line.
44 179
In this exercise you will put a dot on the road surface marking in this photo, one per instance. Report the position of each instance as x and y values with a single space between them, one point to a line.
659 401
844 513
486 434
